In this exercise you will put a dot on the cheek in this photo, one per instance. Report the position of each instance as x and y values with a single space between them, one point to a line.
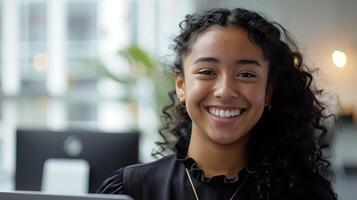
197 89
195 86
256 96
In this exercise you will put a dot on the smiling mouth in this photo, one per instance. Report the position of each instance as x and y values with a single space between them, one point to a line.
223 113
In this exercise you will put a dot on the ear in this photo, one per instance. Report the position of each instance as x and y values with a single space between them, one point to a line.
268 95
180 86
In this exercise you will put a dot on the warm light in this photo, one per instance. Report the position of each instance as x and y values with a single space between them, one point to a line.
339 58
296 61
40 62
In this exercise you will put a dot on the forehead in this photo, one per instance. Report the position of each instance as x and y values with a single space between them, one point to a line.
228 40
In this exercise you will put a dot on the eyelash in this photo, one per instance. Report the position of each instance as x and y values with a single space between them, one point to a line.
242 75
247 75
206 72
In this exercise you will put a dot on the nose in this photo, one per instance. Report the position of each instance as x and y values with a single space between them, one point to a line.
225 89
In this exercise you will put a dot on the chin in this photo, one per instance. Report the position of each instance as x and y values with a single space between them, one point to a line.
228 139
225 140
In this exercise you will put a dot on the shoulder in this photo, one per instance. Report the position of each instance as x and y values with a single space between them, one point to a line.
151 165
321 188
135 173
148 171
313 187
113 184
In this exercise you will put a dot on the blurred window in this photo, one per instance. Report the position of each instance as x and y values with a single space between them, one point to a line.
81 46
1 42
32 45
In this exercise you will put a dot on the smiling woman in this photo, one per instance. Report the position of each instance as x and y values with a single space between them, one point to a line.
247 120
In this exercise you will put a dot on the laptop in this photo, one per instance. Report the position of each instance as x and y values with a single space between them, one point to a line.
27 195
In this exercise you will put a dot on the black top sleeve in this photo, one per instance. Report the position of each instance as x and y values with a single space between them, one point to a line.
322 189
114 184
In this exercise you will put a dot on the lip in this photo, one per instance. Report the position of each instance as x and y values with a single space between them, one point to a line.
222 107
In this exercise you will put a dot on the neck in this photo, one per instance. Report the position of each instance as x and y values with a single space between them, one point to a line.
215 159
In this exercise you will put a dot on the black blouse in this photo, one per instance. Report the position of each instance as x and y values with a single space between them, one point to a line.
166 179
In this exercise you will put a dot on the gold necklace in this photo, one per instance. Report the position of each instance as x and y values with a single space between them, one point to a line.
195 192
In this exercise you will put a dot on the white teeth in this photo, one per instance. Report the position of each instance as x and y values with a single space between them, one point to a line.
237 112
225 113
232 113
221 113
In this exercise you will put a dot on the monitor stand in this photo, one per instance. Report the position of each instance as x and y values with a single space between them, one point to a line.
65 176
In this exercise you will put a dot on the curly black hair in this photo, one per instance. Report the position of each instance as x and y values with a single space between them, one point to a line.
287 144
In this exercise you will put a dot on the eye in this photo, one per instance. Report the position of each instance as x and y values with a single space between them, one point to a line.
206 72
246 75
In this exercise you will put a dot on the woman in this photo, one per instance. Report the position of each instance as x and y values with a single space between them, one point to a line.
245 113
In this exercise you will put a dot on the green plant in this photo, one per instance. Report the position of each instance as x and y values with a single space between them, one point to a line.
143 65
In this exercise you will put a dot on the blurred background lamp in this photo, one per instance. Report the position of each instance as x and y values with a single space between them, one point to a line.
339 58
40 62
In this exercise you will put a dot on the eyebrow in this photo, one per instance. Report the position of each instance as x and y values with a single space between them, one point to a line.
239 62
248 62
206 59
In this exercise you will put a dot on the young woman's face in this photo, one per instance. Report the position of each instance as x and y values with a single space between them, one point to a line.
224 85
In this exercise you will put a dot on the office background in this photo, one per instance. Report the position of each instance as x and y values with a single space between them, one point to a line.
62 66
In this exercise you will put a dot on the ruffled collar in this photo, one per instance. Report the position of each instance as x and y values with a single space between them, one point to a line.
181 154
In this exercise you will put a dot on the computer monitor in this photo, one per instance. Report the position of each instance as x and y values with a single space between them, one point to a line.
105 152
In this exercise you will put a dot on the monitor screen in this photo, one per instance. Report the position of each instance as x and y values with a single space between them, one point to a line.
105 152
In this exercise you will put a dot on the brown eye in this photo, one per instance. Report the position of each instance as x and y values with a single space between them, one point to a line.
206 72
246 75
